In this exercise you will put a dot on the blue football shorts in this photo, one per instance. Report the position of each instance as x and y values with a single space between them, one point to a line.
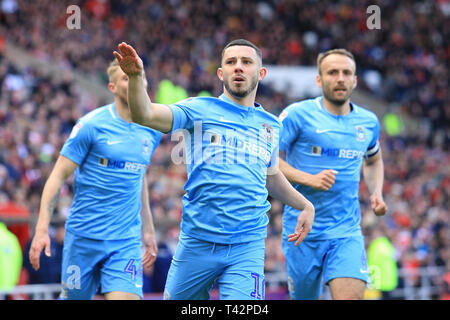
112 265
313 262
197 265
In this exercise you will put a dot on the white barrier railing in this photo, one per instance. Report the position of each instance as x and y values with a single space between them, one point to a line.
430 279
34 291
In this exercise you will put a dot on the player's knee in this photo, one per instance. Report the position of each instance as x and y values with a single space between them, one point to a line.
349 296
120 295
347 289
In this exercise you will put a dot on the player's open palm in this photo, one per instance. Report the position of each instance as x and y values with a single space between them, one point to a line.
129 61
304 225
40 241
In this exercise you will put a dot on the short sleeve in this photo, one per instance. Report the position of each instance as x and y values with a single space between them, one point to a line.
290 127
275 147
184 114
79 142
180 118
374 145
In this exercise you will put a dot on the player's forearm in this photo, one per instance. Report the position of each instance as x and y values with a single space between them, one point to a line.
373 173
49 200
63 168
280 188
147 220
139 101
146 215
294 175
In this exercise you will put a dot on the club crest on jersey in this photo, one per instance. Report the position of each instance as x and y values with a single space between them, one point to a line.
360 133
268 132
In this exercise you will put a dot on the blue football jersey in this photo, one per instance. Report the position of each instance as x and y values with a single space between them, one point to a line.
314 140
112 157
229 148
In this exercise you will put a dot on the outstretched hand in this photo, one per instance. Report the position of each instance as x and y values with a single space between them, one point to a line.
129 61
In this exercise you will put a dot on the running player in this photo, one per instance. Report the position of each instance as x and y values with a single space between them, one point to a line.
110 214
231 144
326 140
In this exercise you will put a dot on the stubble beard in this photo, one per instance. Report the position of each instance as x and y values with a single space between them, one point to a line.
239 92
328 94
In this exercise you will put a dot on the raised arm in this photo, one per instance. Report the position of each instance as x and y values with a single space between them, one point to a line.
279 188
63 168
143 111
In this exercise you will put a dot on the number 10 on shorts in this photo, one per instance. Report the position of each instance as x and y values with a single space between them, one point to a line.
256 292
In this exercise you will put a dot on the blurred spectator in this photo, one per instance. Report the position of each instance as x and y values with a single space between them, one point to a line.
446 285
10 258
382 264
404 62
18 217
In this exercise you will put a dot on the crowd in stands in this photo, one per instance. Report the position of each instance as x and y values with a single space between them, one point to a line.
403 63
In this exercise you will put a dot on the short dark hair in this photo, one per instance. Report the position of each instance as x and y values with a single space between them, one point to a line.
340 51
242 42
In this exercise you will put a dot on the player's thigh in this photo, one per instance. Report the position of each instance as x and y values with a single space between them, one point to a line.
80 273
122 270
192 271
304 268
243 278
346 259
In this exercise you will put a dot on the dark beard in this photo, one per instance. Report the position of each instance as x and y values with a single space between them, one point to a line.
336 102
241 94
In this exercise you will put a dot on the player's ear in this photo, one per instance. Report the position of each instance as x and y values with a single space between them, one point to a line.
220 73
262 73
355 81
112 87
319 81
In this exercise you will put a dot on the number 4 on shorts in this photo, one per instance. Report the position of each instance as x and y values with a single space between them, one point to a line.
131 268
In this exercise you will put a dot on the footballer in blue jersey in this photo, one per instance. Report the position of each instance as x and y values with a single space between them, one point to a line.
231 146
110 215
327 140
